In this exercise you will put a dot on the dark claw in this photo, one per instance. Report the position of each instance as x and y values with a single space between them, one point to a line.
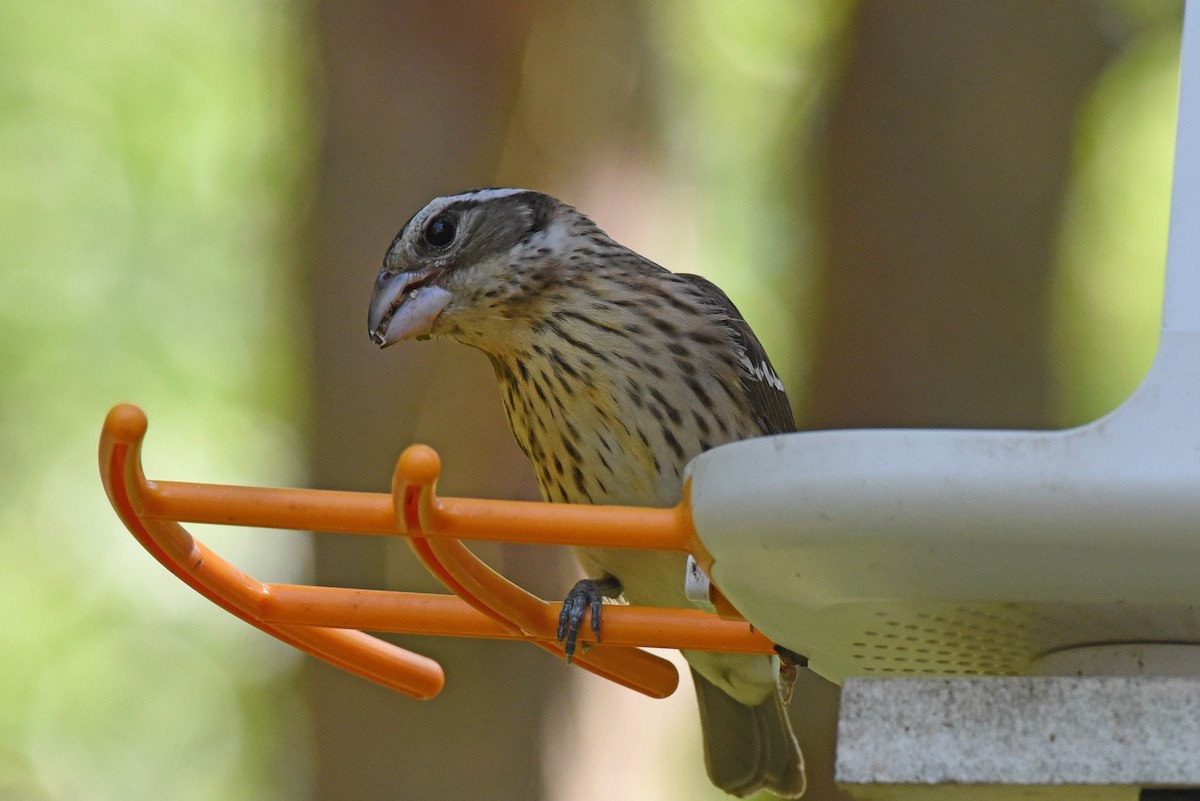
791 657
790 663
586 595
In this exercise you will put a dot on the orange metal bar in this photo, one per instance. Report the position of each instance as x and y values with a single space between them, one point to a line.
324 621
447 615
560 523
300 509
378 610
460 518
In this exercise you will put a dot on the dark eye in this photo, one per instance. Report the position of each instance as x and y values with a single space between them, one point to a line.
440 231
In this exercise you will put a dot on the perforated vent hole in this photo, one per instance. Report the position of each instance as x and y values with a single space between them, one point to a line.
963 641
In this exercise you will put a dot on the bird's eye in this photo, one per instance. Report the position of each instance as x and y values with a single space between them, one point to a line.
440 231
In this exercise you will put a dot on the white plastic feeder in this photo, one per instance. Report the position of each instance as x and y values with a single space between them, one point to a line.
973 552
1012 614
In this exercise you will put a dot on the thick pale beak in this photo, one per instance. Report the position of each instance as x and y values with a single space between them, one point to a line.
403 306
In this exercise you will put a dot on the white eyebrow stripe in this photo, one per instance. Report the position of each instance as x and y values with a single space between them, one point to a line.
482 195
438 203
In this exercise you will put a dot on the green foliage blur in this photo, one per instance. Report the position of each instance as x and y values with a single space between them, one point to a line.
1114 229
744 90
739 105
152 158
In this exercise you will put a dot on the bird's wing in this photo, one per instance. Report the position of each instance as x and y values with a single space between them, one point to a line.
759 379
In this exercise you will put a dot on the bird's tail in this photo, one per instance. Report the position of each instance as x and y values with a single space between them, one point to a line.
748 748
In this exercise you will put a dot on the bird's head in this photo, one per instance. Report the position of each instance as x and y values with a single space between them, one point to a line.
464 263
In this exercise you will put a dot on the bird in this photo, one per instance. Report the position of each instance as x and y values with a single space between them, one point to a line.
614 373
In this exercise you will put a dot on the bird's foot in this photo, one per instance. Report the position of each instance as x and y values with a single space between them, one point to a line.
586 594
790 663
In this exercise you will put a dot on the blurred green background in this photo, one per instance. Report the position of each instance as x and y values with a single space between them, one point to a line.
175 181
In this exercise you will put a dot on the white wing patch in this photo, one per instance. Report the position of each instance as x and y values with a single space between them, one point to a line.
762 372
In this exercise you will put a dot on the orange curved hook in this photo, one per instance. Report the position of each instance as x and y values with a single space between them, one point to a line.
327 622
414 492
231 589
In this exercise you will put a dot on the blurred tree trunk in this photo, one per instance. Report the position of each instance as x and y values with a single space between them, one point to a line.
947 153
946 157
416 104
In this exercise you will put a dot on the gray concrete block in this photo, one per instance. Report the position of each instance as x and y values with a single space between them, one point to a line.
1010 738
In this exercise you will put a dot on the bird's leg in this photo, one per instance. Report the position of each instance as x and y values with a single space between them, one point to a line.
588 593
790 663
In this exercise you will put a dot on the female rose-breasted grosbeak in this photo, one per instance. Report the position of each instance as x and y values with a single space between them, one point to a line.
614 372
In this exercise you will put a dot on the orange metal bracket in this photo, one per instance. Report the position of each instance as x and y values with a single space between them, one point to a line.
331 622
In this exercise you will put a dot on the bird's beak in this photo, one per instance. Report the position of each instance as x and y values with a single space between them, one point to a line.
404 305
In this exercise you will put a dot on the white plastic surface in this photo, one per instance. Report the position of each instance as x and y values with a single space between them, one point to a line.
1152 659
968 552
